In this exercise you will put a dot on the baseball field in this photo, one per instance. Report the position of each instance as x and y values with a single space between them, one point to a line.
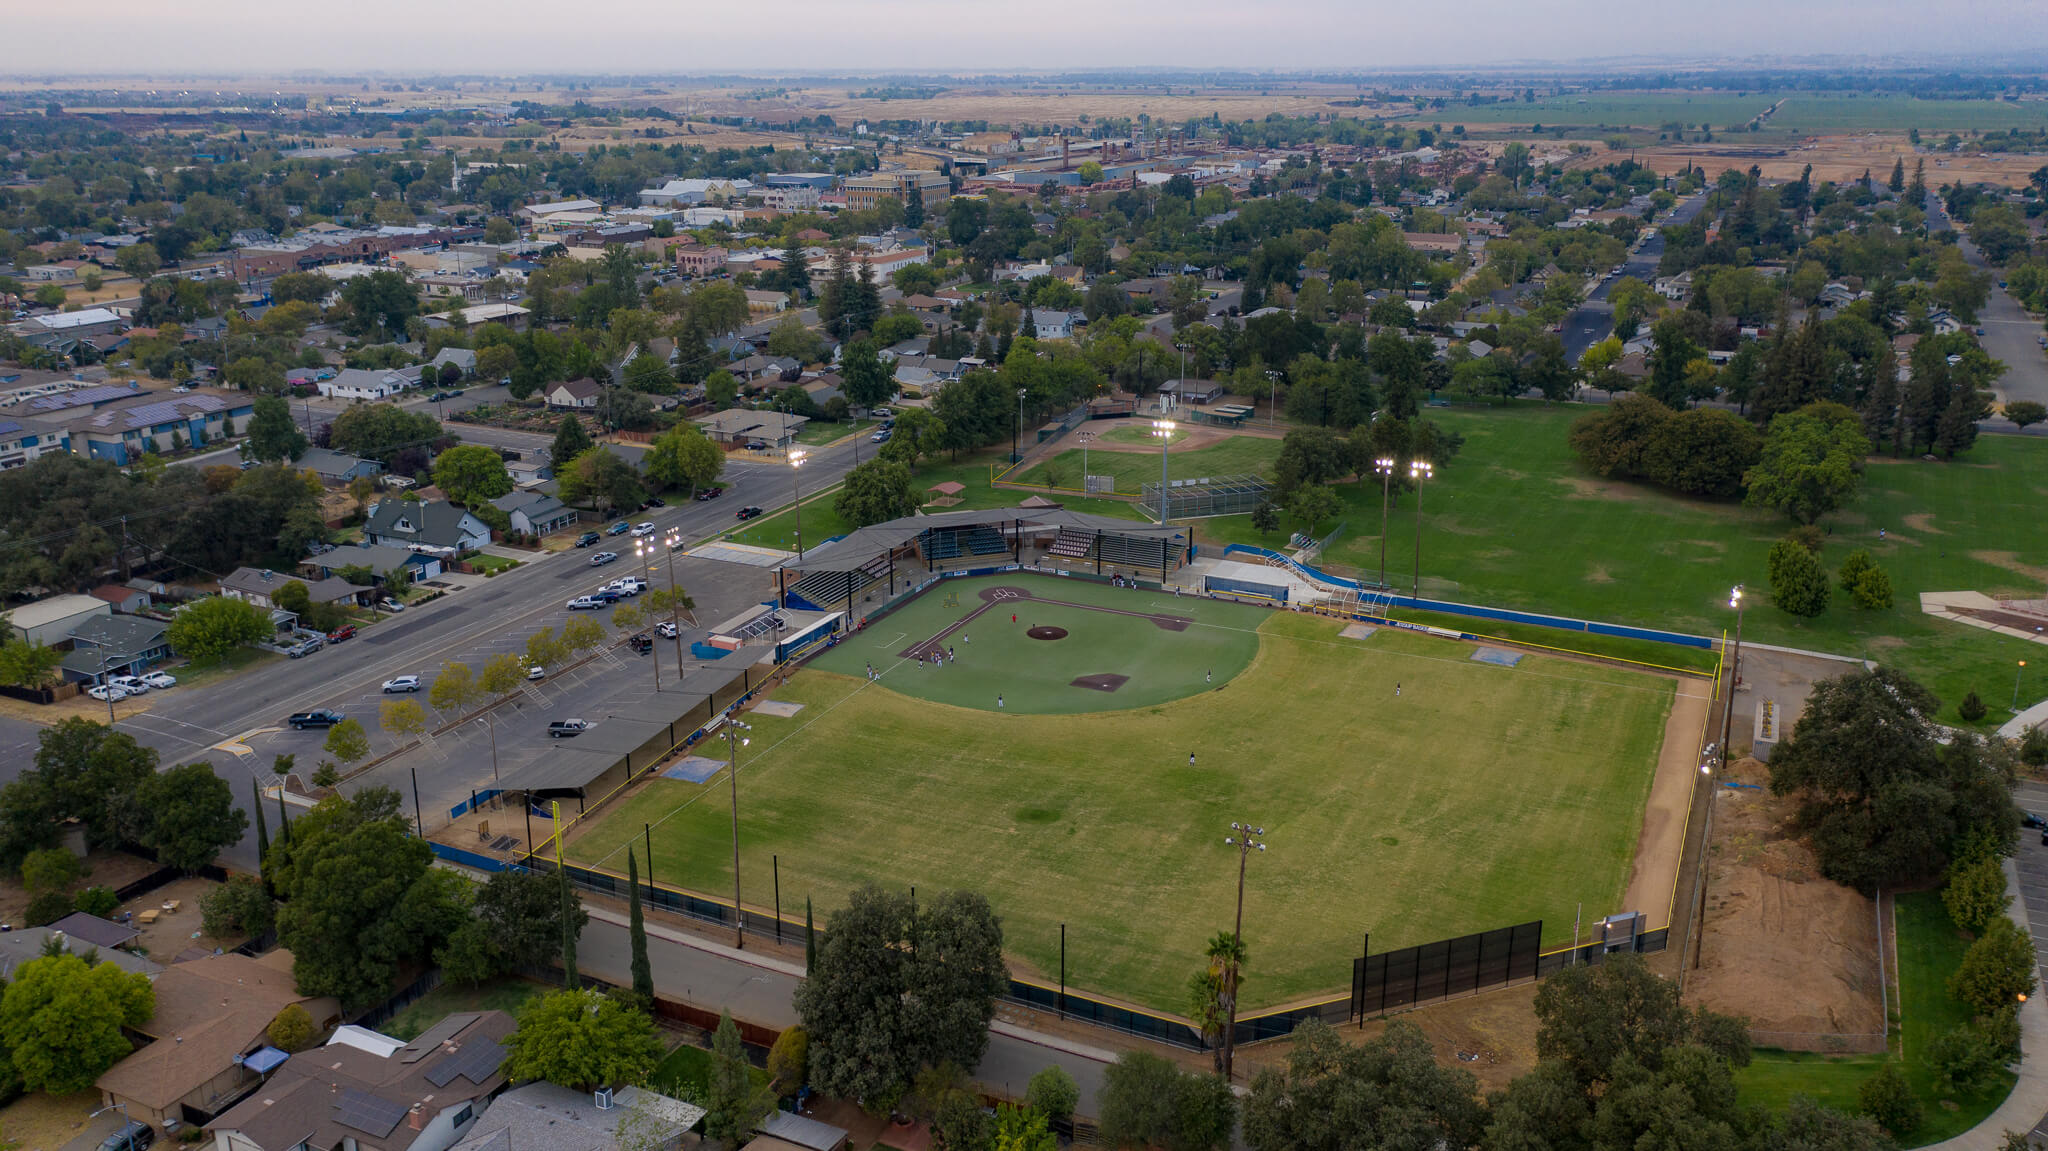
1404 788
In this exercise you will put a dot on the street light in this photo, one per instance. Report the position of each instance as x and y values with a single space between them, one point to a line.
1017 440
644 548
1086 438
674 540
1246 839
1273 395
1418 470
733 742
2016 686
1385 467
1164 430
797 456
104 685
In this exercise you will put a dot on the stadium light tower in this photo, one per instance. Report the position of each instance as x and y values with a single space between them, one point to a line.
644 549
1385 467
733 742
1418 470
1164 430
1246 839
797 456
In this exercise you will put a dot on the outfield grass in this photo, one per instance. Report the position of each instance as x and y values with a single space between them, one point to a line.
1515 521
1930 948
1237 456
1481 796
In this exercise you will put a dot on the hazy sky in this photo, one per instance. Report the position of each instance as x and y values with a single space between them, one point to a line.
766 36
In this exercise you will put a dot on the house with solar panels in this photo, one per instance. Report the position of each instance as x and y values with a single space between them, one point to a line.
23 438
370 1092
119 424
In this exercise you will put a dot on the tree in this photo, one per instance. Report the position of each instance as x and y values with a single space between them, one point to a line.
1147 1101
1388 1092
61 1020
378 305
636 934
1975 894
682 458
876 491
1053 1093
919 434
1799 586
293 1030
50 869
515 924
360 896
1866 583
733 1101
27 663
84 771
570 977
238 907
347 742
471 474
1972 708
1889 1099
866 380
193 816
403 718
215 626
1311 505
601 478
721 389
571 440
1996 970
1966 1059
1812 462
581 1040
1592 1020
895 990
274 437
2025 412
382 431
454 690
789 1062
1882 800
581 634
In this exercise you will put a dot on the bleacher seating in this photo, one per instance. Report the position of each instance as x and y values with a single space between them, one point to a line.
1072 543
941 545
986 541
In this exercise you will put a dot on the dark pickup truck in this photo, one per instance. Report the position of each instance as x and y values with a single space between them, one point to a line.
318 717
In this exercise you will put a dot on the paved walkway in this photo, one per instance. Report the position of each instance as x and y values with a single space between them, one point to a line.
760 989
2034 716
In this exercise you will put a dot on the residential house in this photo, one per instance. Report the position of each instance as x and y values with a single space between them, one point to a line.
784 1131
367 1092
511 315
125 599
744 425
1944 323
379 560
534 513
1054 324
765 368
338 468
575 394
463 359
700 260
435 525
128 429
21 945
538 213
25 438
78 325
766 303
363 384
115 645
259 586
49 621
529 472
209 1030
544 1117
1676 287
92 931
1434 243
800 198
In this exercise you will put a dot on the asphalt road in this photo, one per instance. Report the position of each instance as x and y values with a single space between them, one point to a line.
2010 335
211 723
1594 320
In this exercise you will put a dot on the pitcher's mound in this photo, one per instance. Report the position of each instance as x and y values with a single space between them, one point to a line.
1105 682
1044 631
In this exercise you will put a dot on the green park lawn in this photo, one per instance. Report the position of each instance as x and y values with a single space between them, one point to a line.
1480 797
1515 521
1929 951
819 432
1237 456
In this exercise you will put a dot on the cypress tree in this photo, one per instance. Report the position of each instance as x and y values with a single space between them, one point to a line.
636 928
569 978
810 939
262 833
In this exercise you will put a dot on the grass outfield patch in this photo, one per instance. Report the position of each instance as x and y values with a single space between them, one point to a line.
1480 797
1238 456
1515 521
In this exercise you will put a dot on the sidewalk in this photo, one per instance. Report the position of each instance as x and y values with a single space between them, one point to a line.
761 990
2017 726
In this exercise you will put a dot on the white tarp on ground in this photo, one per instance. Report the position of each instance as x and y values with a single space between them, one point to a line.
741 554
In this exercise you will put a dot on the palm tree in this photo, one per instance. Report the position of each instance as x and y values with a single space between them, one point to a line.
1212 992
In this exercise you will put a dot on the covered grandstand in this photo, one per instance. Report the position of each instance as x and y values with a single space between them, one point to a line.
870 567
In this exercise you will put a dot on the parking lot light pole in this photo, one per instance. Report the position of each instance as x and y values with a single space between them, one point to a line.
675 604
733 742
797 456
1246 839
104 685
1418 470
2016 686
644 548
1385 467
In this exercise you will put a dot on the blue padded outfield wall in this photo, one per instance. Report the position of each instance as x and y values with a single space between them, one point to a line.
1371 597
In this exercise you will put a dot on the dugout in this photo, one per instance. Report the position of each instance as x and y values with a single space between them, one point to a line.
1251 581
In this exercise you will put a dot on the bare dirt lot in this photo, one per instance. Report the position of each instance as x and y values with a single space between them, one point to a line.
1794 952
1837 158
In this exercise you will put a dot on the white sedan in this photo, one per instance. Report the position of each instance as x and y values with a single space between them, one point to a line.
106 691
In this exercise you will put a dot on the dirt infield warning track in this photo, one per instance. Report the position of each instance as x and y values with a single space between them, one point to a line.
1010 600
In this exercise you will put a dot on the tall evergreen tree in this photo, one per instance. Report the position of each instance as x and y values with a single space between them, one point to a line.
1898 181
571 440
1027 324
796 274
835 300
262 833
569 976
636 930
868 300
913 209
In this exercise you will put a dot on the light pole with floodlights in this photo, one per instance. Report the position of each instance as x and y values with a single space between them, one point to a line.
1246 839
644 549
1385 467
1164 430
733 742
1418 470
797 456
1017 441
1735 600
675 599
